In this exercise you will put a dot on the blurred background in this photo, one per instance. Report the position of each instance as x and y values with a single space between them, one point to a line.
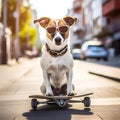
99 20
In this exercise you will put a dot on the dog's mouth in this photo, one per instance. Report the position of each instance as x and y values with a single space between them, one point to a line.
58 43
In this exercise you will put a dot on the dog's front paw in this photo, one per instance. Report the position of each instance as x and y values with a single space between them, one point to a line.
71 94
70 91
49 93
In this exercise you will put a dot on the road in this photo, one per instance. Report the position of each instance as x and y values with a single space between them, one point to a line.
105 103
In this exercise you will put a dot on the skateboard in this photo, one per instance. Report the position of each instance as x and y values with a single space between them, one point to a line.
60 100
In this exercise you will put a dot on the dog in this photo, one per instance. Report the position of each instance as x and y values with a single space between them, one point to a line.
56 59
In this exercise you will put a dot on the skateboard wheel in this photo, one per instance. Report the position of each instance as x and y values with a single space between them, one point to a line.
34 103
87 101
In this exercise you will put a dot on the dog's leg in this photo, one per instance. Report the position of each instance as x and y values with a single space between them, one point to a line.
42 88
69 83
47 84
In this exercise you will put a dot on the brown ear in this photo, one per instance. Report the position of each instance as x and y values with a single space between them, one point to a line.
70 20
44 21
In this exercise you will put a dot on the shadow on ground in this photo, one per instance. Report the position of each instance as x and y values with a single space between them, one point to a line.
48 112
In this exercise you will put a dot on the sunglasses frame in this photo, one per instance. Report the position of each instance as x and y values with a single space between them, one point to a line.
57 29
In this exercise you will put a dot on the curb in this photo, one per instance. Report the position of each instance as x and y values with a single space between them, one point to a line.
103 75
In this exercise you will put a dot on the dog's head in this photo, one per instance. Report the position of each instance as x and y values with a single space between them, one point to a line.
57 31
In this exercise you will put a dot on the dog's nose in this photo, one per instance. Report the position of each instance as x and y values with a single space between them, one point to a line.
58 40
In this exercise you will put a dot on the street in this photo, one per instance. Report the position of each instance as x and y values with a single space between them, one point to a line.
105 102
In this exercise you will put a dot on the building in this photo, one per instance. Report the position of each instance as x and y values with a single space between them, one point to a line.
87 10
97 19
111 12
93 18
77 32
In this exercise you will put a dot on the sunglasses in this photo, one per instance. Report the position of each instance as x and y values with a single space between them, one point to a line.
61 29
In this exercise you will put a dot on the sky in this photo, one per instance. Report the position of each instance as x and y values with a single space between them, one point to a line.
51 8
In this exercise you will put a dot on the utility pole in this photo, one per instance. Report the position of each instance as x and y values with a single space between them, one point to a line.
16 42
3 42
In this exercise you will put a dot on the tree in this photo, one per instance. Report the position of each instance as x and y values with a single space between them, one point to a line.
26 31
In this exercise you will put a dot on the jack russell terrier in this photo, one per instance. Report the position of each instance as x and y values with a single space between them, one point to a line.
56 60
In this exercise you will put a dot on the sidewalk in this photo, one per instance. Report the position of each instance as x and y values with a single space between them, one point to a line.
110 69
14 71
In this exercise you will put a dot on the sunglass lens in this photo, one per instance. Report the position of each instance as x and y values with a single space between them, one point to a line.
51 30
63 29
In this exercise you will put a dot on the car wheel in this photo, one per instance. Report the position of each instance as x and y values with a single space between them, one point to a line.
106 59
98 59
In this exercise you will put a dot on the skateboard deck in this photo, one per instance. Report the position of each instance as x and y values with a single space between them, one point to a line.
59 97
61 100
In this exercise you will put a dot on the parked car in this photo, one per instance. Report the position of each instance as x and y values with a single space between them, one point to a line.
94 49
76 52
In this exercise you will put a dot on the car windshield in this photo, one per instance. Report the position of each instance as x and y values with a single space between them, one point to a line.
76 51
96 47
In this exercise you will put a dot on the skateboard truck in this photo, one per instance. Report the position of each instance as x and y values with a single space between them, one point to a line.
61 102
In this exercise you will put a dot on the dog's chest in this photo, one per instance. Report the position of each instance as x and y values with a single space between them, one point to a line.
56 65
57 73
57 68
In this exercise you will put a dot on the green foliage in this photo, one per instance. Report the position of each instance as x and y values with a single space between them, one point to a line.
28 32
25 16
25 29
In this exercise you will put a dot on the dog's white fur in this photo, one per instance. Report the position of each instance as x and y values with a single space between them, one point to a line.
57 71
58 68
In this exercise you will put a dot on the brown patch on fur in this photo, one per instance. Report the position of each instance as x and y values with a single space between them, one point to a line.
49 36
67 34
61 22
70 20
51 23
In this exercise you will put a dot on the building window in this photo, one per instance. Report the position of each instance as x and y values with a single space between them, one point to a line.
108 21
104 1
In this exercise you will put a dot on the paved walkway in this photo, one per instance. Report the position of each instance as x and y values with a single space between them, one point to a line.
13 71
